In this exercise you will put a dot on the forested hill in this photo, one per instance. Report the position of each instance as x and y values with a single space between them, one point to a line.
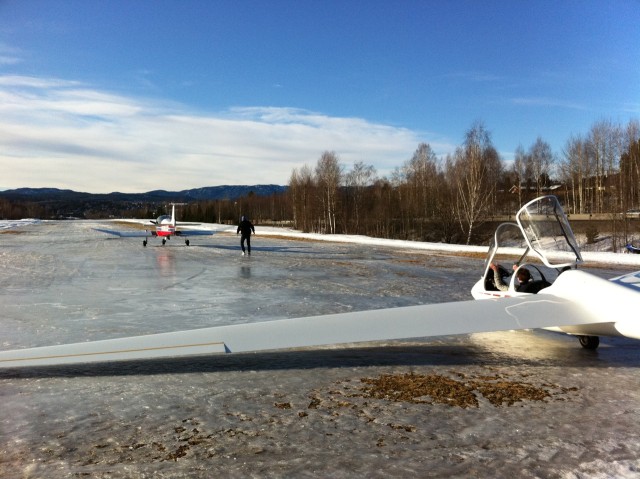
224 192
54 202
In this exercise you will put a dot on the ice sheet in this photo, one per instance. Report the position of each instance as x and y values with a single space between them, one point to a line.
286 414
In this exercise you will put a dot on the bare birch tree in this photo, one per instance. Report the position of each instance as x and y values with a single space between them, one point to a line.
602 144
541 159
520 171
328 176
301 188
630 167
357 181
421 175
476 168
577 170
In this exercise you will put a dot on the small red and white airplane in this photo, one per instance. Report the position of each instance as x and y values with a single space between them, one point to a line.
166 227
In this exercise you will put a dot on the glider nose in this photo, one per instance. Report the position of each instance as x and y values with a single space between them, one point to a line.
628 328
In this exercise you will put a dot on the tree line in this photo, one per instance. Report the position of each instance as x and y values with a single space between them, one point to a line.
447 199
426 198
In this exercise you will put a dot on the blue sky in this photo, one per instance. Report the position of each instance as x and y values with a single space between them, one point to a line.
138 95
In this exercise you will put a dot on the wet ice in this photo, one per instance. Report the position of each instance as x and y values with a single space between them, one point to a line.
284 414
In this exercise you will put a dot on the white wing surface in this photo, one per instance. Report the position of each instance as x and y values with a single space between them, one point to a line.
188 232
384 324
128 234
631 280
147 233
577 303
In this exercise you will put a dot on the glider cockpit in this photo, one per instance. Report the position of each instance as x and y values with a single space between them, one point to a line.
541 241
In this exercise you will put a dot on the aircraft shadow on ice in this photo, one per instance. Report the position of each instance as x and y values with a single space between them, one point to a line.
550 351
265 249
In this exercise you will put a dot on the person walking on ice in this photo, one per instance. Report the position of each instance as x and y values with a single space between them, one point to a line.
246 228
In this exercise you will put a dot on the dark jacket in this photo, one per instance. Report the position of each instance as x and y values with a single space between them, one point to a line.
246 227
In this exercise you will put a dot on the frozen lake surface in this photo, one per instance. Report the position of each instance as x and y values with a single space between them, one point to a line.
303 413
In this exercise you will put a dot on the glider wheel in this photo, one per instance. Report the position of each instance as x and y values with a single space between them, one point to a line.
589 342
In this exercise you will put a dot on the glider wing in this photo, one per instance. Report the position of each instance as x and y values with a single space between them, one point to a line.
574 304
385 324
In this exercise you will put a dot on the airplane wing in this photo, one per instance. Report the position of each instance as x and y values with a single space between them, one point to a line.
385 324
187 232
128 234
631 280
147 233
574 301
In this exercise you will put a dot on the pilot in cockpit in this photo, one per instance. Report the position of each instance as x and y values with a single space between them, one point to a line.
523 276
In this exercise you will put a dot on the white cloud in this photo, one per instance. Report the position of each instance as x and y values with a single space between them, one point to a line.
8 60
9 55
547 102
26 82
475 76
64 134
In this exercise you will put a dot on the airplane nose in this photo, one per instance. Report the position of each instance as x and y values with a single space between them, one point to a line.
628 328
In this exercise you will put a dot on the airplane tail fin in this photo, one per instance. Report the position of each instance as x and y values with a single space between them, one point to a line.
173 212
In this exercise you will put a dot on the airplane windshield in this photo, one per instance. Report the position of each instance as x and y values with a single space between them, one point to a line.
547 231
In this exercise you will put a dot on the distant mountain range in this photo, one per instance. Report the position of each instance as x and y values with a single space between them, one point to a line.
54 203
225 192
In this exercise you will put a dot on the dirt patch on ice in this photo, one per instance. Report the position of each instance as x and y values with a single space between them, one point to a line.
363 406
462 392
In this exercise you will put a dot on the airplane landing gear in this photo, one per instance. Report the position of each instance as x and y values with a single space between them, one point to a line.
163 241
589 342
144 243
186 242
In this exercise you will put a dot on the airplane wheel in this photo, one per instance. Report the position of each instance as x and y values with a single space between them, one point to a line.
186 242
163 241
144 243
589 342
